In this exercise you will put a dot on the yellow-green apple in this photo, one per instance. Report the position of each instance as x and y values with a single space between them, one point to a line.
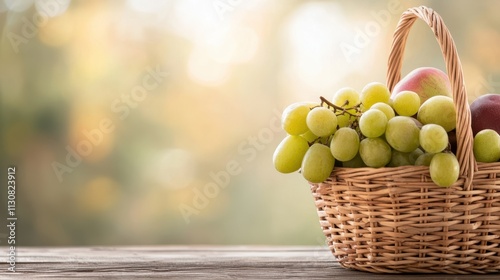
485 113
426 82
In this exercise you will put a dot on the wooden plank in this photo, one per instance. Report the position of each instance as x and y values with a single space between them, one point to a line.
174 262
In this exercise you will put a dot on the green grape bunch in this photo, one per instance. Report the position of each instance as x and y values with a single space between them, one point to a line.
370 130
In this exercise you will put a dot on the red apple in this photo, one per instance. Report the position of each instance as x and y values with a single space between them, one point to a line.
426 82
485 113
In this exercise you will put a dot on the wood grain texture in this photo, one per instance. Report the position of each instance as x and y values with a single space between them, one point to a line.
173 262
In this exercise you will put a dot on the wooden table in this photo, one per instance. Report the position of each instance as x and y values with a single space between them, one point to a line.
169 262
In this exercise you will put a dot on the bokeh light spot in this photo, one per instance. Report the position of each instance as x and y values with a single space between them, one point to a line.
99 195
206 70
175 168
58 31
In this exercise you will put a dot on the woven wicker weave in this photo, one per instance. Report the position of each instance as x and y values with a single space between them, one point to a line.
393 220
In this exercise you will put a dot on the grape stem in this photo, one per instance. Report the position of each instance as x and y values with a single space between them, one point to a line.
321 140
353 124
339 108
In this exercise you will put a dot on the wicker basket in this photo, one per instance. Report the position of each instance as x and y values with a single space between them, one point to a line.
394 220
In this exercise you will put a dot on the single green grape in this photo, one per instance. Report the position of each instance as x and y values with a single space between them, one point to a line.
399 159
317 164
345 144
439 110
375 152
373 123
373 93
415 154
288 156
293 119
346 97
321 121
385 108
487 146
309 136
406 103
433 138
444 169
402 134
424 159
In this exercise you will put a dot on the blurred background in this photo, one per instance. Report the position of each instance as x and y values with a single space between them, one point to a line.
154 122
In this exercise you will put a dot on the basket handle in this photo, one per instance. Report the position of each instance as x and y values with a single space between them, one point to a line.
464 137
